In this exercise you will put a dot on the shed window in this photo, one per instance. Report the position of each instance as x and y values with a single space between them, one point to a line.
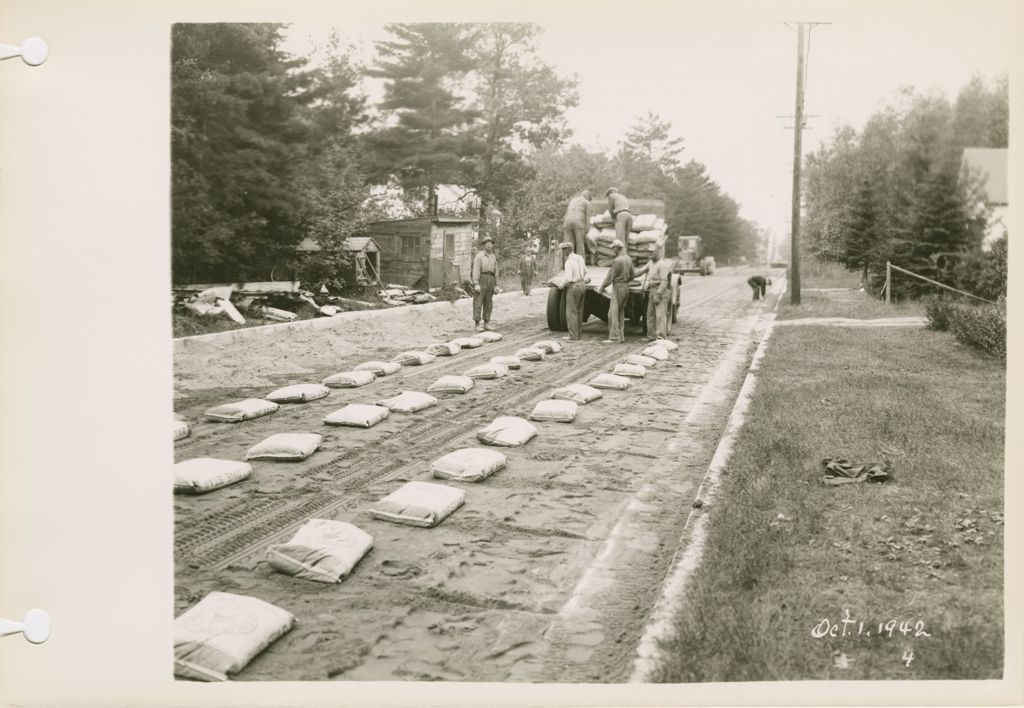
408 247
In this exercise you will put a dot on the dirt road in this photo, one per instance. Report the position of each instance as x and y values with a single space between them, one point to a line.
549 570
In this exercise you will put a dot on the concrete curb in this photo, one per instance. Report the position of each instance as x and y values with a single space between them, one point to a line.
461 307
690 550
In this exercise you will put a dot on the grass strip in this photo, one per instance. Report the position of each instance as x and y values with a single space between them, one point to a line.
915 562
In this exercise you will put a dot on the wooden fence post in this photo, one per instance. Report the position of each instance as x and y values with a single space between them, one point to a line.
888 283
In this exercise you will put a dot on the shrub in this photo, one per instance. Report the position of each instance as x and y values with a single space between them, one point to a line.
981 326
938 311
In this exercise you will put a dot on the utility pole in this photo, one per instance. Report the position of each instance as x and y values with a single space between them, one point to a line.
798 126
794 259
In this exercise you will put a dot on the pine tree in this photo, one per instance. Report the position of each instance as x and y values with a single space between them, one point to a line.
424 141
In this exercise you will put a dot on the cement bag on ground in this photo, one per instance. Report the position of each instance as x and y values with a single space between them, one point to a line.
489 370
408 402
451 384
555 411
181 429
350 379
640 360
204 474
419 504
549 345
322 550
358 415
656 352
444 349
580 393
489 337
223 632
632 370
666 344
243 410
468 342
285 446
471 464
531 354
644 222
509 362
507 431
617 383
414 358
298 393
380 368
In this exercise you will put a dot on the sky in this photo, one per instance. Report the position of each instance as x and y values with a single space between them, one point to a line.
723 73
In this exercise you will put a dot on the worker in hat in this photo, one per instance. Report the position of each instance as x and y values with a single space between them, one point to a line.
759 284
618 278
618 207
527 268
576 222
657 286
576 280
484 276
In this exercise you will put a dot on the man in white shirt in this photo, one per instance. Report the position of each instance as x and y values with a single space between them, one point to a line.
576 280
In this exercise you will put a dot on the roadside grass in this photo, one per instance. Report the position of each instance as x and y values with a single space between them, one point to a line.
826 274
853 304
785 552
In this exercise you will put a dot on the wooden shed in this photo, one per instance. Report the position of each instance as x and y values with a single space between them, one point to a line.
425 252
365 258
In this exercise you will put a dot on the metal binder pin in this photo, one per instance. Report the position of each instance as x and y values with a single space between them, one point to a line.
33 51
35 627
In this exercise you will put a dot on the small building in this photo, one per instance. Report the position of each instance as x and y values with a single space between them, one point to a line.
425 252
364 255
991 165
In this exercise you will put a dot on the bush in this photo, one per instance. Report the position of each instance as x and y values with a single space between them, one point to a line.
938 311
981 326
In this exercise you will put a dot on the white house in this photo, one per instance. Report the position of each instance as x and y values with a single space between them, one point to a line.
991 164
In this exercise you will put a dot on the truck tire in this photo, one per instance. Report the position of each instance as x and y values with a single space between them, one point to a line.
556 310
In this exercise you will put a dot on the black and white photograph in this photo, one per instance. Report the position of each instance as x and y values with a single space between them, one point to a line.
557 352
599 348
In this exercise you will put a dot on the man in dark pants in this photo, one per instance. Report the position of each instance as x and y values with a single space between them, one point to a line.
618 207
527 269
759 284
618 278
484 276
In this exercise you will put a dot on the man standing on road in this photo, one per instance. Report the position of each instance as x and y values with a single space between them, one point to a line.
618 277
576 222
575 289
618 207
759 285
658 287
527 269
484 276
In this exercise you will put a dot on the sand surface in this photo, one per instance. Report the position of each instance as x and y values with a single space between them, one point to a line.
549 570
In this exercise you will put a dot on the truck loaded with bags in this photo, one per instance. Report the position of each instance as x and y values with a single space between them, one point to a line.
648 235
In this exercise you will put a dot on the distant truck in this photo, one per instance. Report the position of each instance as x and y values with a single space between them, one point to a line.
597 303
690 260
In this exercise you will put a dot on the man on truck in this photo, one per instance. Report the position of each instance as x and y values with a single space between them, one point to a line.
618 278
618 207
576 222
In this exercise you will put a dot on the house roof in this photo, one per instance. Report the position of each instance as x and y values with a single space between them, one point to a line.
434 219
353 243
992 164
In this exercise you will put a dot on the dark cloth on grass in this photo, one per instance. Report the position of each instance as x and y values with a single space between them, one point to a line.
839 470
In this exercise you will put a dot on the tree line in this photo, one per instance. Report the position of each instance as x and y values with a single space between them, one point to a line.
894 191
269 148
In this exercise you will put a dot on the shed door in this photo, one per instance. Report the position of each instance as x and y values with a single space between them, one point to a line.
448 250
